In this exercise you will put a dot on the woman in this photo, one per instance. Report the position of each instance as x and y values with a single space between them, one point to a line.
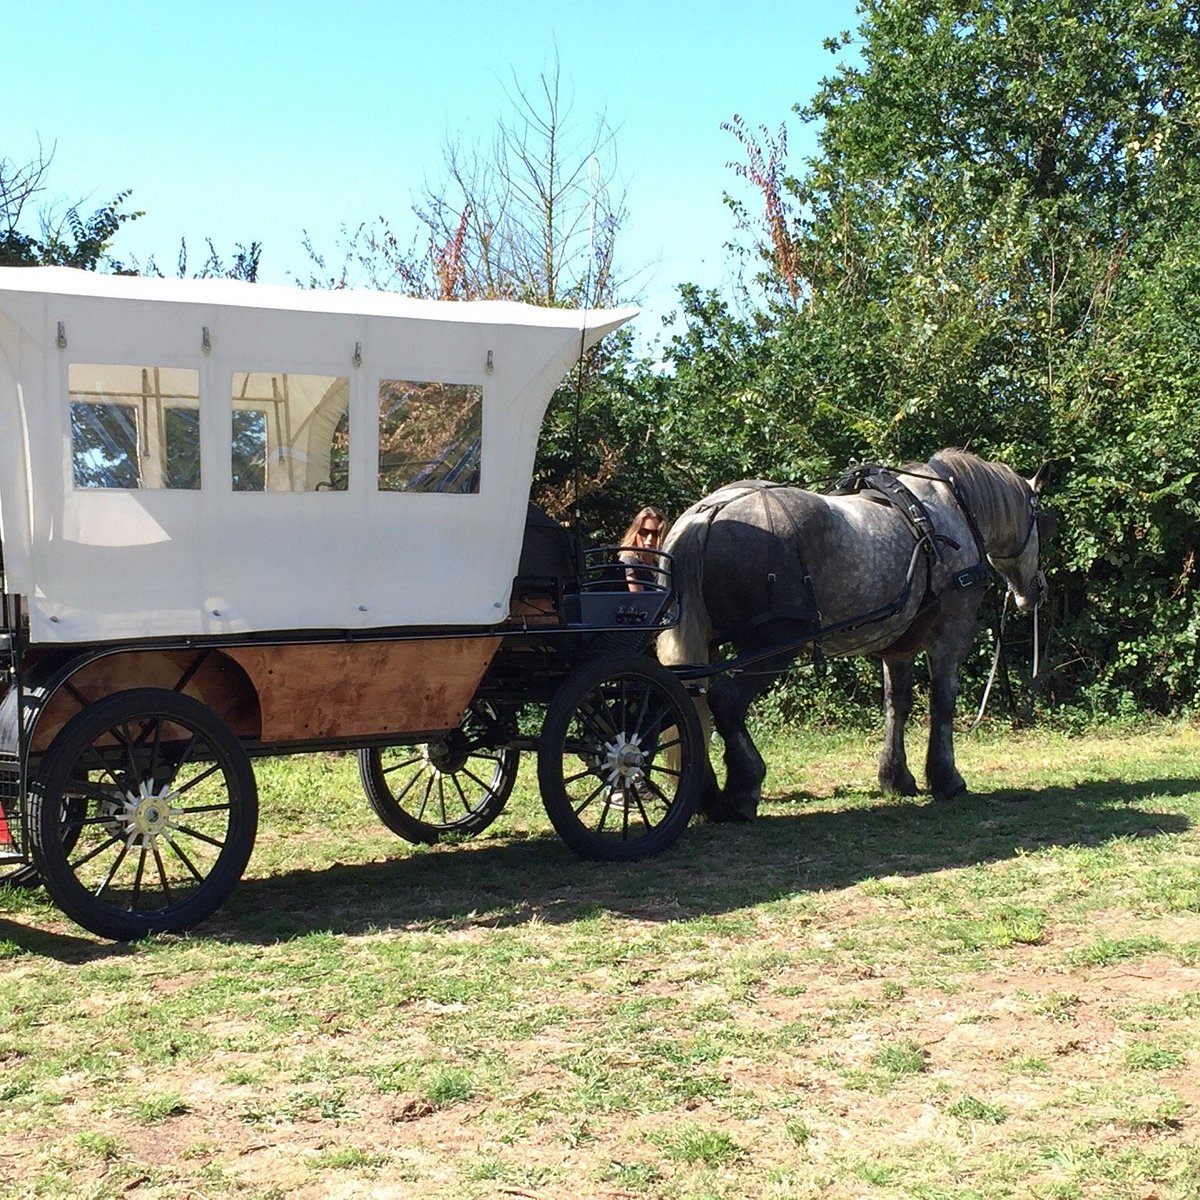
639 547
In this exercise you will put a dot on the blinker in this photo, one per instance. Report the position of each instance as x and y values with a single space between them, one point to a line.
1047 526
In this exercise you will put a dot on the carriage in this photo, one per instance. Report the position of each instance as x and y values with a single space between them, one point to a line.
239 521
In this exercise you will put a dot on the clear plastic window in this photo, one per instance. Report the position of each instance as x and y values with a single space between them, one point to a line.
429 436
291 433
134 427
249 450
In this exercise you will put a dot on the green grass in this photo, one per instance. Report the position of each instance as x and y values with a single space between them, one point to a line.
851 997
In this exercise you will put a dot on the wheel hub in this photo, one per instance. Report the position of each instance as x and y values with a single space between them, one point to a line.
623 762
447 755
143 816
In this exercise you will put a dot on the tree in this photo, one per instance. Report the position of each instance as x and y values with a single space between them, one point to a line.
64 238
243 264
67 238
998 227
533 215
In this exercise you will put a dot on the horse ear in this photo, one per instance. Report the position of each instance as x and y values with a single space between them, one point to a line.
1043 477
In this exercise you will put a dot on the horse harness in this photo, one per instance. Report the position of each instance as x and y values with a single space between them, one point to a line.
884 485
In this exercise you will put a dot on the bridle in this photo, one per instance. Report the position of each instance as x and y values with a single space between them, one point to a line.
1043 522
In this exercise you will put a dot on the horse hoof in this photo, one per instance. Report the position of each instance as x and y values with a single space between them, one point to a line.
743 810
953 792
730 812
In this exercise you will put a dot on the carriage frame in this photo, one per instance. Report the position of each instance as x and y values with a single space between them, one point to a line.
172 611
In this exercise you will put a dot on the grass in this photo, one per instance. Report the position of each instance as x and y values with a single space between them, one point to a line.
851 997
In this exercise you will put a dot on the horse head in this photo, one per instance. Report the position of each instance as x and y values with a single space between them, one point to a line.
1007 510
1021 567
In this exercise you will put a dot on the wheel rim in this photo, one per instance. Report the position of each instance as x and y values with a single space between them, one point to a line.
456 784
625 730
145 814
444 784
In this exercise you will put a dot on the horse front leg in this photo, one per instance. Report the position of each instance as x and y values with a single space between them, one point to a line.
940 772
729 700
895 778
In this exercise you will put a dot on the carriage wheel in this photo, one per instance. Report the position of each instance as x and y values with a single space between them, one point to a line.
143 815
27 876
21 877
456 784
620 759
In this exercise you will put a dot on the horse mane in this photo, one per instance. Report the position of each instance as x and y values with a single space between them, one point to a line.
687 641
998 497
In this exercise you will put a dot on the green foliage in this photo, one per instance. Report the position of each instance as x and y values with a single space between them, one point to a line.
72 238
969 1108
75 240
997 245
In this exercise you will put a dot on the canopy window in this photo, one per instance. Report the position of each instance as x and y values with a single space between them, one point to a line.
291 433
430 436
134 426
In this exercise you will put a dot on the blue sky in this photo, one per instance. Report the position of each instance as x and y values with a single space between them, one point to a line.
247 120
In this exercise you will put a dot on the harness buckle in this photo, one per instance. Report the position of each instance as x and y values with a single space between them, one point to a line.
972 576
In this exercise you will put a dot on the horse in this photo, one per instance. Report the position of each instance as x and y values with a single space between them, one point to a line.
890 562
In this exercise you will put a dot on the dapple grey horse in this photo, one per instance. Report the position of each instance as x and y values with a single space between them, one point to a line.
892 563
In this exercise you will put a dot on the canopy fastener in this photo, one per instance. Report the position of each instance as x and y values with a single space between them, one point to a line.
205 340
62 335
491 365
358 354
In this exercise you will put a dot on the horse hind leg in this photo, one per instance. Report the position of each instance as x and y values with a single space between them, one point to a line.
895 778
710 790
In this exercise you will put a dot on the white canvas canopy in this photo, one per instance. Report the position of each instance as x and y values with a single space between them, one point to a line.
188 457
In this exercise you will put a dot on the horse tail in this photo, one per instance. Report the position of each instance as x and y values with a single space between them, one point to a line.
687 641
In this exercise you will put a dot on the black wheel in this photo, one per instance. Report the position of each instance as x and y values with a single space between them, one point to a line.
143 814
620 759
26 876
21 877
457 784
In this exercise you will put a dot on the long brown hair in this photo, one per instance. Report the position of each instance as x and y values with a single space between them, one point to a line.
629 537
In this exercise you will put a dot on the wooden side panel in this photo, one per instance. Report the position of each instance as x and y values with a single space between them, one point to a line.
358 689
214 681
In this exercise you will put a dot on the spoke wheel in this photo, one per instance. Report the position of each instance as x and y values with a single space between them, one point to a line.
457 784
620 759
21 877
143 815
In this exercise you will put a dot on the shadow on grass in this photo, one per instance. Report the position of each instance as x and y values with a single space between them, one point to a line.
713 869
49 943
797 845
